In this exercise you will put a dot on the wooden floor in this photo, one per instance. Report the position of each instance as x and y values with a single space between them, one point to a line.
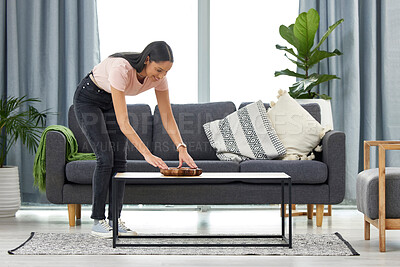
348 222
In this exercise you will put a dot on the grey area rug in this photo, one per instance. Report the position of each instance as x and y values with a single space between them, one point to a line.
85 244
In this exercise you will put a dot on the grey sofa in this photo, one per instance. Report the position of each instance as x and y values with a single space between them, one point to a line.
320 181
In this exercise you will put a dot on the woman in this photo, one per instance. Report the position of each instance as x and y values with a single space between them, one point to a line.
101 111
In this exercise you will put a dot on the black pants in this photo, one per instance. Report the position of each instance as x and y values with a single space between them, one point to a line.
95 113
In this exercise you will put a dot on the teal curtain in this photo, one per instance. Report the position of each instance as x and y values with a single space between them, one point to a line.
46 48
366 101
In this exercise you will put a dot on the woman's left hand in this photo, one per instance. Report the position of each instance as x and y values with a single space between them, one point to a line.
185 157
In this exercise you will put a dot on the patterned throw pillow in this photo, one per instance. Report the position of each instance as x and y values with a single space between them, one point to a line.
245 134
299 132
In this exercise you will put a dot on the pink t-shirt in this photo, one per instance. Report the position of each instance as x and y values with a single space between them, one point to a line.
118 73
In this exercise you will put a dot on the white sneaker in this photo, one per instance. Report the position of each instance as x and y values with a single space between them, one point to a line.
102 229
123 230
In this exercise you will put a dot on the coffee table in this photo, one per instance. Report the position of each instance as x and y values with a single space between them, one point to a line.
259 177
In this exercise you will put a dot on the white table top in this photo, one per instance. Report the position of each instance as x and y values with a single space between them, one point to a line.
206 175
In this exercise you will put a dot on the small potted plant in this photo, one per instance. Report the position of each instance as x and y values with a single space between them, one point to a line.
301 36
18 121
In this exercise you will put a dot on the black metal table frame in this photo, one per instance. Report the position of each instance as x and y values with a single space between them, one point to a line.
287 241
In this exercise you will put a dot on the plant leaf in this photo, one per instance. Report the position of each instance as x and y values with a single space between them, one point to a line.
20 121
304 30
298 64
319 55
321 78
304 85
289 73
288 35
302 89
306 95
330 29
324 96
290 51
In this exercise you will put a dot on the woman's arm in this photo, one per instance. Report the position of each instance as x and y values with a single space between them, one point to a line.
171 127
121 113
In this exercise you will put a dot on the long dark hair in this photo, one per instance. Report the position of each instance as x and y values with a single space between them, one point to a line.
156 51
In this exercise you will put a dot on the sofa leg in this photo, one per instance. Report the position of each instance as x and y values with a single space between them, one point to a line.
366 229
320 214
310 211
329 211
71 214
284 211
78 211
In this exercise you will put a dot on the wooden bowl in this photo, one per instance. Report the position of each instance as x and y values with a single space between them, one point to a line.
184 171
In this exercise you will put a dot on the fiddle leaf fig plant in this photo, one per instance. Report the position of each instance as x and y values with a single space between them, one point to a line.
19 120
301 36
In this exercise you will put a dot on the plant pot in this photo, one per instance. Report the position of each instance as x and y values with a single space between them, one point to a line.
10 200
326 110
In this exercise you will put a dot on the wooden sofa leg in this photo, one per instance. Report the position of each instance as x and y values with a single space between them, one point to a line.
293 210
78 211
71 214
320 214
366 229
310 211
329 211
284 211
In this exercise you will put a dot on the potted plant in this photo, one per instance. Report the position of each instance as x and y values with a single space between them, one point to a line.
18 121
301 36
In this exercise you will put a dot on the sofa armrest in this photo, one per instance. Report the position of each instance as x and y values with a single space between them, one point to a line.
55 166
334 156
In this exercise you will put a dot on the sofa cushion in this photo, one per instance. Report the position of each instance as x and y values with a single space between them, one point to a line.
140 118
301 171
367 192
190 119
313 108
244 134
81 172
299 132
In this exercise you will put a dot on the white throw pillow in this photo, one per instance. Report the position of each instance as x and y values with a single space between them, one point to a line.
244 134
299 132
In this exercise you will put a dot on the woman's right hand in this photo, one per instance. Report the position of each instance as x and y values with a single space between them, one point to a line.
156 161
